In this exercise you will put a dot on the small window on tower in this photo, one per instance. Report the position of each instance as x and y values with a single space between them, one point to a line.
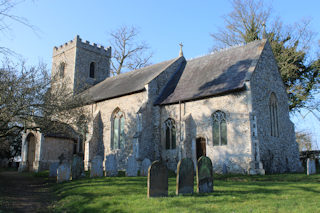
92 67
62 66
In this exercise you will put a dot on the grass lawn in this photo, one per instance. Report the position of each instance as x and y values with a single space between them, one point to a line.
233 193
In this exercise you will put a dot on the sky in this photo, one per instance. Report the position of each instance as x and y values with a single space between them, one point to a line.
162 24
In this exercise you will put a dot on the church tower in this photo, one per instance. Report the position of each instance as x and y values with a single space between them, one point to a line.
80 64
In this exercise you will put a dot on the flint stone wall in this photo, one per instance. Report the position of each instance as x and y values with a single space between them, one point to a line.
278 154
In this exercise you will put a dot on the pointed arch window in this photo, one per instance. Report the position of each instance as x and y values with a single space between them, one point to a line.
117 136
170 133
273 108
92 69
219 128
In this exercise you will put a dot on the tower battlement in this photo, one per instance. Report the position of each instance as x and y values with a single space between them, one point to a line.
77 42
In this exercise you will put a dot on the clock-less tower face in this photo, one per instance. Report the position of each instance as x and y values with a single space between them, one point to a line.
80 64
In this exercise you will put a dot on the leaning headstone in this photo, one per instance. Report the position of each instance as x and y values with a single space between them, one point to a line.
132 166
185 176
311 166
96 167
111 165
53 169
157 180
63 173
204 175
144 167
77 167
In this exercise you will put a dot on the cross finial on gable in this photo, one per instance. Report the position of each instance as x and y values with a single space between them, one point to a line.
264 33
181 53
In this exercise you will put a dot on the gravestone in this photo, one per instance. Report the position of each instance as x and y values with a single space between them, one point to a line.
53 169
311 166
111 165
96 167
132 166
77 167
157 180
185 176
61 158
204 175
63 173
144 167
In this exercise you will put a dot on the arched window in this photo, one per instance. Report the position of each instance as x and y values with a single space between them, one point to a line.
219 128
117 136
92 67
273 108
170 133
62 66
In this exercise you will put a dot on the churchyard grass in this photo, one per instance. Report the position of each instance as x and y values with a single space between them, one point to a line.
232 193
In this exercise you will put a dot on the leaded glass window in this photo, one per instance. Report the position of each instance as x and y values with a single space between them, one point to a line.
170 134
273 108
219 128
117 139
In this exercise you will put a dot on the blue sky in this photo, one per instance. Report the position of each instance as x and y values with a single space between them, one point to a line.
163 25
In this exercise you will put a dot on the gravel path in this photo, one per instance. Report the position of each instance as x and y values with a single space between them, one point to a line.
24 193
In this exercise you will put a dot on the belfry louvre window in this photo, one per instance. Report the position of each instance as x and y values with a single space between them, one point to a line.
170 133
273 108
219 128
117 137
92 67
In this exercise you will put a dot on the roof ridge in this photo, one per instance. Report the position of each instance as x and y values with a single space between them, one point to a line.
226 49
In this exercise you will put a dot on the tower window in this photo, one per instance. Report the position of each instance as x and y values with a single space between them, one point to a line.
92 67
62 66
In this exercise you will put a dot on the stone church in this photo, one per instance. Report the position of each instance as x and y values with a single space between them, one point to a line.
230 105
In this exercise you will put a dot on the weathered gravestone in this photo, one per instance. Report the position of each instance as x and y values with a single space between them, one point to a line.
63 173
132 166
311 166
144 167
204 175
77 167
111 165
157 180
185 176
53 169
96 167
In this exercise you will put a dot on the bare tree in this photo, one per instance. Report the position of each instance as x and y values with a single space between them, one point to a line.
6 7
128 52
27 101
304 140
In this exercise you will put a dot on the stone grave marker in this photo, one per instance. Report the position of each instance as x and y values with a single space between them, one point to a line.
63 173
185 176
311 166
96 167
157 180
204 175
144 167
111 165
53 169
132 166
77 167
